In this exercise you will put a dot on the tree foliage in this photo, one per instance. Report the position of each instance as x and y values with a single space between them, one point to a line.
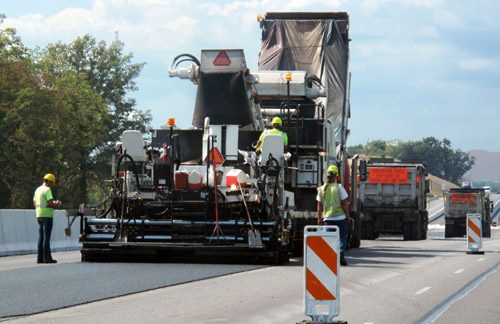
11 46
61 110
107 70
442 160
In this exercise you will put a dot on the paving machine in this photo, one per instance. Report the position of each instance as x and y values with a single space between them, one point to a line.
205 191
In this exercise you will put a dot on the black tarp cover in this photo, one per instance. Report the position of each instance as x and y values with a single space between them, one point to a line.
315 46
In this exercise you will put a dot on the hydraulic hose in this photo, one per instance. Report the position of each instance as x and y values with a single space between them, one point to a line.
125 155
271 160
190 56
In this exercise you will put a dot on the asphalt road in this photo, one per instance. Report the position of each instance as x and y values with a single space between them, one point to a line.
387 281
28 288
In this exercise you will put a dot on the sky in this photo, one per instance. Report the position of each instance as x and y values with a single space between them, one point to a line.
419 67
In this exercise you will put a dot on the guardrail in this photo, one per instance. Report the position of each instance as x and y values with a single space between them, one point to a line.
432 199
19 232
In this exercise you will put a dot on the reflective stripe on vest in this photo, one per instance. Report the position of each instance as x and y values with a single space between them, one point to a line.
331 200
42 209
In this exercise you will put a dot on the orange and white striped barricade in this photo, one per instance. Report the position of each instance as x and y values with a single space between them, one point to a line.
321 273
474 234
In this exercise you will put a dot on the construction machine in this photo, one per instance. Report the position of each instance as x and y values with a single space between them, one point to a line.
205 191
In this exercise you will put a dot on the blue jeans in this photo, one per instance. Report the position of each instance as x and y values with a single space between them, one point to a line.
344 230
44 232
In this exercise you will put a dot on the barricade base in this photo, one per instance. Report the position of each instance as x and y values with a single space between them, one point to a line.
474 252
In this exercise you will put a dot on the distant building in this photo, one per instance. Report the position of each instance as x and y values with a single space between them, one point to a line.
395 142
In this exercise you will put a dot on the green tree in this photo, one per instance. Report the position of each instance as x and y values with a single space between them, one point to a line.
108 71
11 46
111 74
86 123
46 126
442 160
356 149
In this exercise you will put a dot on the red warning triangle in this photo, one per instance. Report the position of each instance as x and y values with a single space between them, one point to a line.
222 59
217 157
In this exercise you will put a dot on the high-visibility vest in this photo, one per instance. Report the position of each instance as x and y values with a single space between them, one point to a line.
330 198
273 131
42 195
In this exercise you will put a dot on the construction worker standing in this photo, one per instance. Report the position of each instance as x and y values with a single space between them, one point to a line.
333 208
44 203
276 130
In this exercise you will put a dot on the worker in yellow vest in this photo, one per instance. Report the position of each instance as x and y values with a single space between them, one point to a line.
44 203
333 208
276 130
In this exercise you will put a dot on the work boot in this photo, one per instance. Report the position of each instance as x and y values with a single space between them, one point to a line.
342 260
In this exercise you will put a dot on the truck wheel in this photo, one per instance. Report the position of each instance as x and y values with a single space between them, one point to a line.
449 230
355 228
424 235
486 229
407 231
369 230
417 228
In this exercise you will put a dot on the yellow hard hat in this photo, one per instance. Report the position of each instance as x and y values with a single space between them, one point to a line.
333 169
50 177
276 120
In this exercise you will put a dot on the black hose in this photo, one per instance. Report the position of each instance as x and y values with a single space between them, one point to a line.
184 60
158 204
125 155
106 212
192 57
268 164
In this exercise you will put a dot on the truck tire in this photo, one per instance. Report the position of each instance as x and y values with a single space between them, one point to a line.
449 230
486 229
425 224
355 241
414 231
370 230
407 231
417 228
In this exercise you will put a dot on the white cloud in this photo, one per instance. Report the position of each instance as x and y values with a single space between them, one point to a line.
153 24
428 31
479 64
447 19
419 3
404 48
370 7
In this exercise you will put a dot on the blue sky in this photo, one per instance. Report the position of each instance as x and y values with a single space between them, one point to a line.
419 67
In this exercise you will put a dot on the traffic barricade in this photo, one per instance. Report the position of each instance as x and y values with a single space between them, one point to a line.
321 273
474 234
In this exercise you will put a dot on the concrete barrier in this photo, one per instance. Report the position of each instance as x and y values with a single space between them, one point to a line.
19 232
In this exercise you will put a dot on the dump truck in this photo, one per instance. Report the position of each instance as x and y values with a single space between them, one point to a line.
392 196
204 191
458 203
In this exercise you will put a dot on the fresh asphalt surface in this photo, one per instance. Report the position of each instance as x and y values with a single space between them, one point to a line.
30 288
40 288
